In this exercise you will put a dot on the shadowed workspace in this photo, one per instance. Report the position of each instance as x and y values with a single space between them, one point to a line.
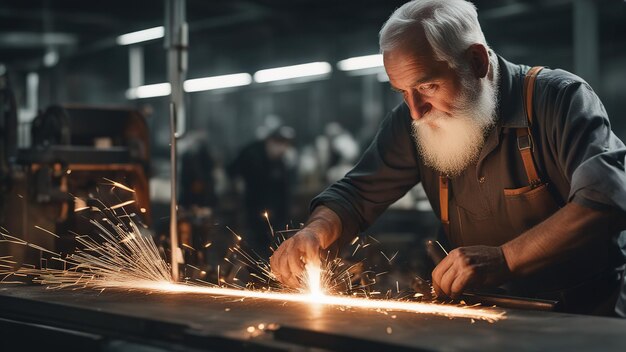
312 175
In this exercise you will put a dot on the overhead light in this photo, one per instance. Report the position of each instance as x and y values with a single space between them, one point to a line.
314 69
149 91
217 82
141 36
361 62
190 85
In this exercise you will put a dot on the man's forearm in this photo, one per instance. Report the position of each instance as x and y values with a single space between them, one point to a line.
326 225
558 237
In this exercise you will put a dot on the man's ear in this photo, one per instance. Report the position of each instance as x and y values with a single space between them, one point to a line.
478 58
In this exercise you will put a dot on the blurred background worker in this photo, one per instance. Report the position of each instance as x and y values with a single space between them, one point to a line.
197 186
262 166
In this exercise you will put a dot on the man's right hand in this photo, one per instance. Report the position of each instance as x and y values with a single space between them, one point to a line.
287 262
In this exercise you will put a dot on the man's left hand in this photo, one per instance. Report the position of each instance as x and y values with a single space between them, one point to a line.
470 267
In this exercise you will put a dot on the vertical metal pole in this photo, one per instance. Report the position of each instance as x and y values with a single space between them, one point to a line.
176 39
32 92
135 66
173 205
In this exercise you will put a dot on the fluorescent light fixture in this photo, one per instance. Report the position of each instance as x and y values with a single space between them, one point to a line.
141 36
149 91
290 72
217 82
190 85
361 62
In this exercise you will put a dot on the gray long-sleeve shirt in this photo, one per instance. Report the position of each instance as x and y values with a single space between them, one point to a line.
575 151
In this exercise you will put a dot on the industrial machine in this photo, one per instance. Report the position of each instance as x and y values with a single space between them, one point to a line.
8 140
73 151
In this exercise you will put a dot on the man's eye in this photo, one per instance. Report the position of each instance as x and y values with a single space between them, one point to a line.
427 88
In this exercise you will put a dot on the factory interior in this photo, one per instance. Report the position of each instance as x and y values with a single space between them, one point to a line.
137 134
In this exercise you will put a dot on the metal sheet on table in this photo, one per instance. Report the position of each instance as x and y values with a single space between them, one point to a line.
522 330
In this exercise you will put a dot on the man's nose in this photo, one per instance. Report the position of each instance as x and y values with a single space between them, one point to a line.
417 105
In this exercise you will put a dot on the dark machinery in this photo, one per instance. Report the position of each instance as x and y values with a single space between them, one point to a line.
73 150
8 140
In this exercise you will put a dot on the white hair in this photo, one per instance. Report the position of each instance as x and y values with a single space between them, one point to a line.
450 27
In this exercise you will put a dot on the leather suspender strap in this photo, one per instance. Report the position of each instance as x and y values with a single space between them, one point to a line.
529 88
443 202
524 144
524 135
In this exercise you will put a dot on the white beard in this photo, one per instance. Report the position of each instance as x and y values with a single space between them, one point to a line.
449 143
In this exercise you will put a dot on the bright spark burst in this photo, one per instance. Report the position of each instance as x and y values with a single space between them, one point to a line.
313 279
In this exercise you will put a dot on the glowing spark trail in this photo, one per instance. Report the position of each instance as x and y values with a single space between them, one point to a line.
267 218
121 205
49 232
119 185
490 315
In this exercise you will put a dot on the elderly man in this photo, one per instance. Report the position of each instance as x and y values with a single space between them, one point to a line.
519 164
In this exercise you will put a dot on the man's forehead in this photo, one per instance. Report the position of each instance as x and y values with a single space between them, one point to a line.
419 67
414 50
422 59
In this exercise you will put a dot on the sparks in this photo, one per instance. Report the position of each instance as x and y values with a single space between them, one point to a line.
123 204
188 246
130 261
479 313
234 234
119 185
120 257
46 231
267 218
314 281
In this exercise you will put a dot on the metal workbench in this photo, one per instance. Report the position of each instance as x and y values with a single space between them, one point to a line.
87 320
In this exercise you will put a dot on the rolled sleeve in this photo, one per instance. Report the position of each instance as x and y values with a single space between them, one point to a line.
590 155
600 182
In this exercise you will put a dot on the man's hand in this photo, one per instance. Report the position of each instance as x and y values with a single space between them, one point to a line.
322 229
470 267
288 261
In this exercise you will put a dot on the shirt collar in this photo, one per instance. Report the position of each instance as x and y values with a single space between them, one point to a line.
510 100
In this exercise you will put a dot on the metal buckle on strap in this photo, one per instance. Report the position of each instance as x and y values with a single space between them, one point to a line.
524 142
